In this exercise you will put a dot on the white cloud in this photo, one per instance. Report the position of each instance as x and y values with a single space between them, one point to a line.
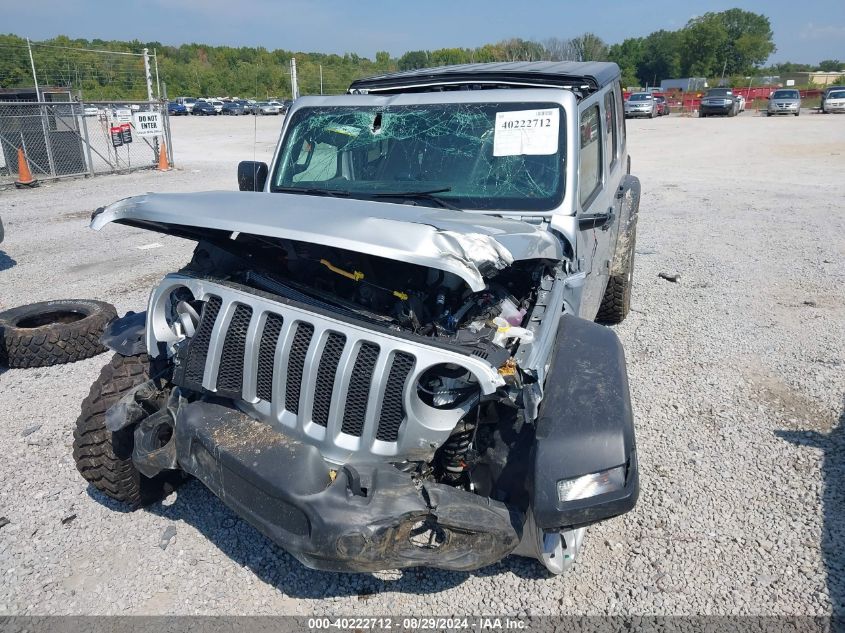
828 31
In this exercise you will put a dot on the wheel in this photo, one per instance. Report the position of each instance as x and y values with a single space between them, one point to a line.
651 115
53 332
701 115
768 114
798 113
616 302
104 458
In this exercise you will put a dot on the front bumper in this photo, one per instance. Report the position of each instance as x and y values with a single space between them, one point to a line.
361 519
716 109
784 110
636 113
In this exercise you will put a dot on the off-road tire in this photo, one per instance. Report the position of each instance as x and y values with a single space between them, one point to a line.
53 332
104 458
616 302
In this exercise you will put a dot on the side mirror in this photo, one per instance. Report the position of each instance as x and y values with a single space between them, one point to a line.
252 175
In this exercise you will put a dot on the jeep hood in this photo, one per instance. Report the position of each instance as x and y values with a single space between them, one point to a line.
470 245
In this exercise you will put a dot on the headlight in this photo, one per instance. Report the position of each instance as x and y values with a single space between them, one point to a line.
591 485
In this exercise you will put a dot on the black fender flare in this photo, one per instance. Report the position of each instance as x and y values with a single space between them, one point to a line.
585 425
126 334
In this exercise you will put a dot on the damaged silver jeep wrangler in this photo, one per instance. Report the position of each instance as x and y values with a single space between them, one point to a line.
385 354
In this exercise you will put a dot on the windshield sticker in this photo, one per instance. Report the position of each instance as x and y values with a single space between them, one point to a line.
526 133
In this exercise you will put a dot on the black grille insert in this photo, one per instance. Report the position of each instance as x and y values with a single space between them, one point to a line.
266 356
198 350
296 360
359 390
230 373
392 410
325 378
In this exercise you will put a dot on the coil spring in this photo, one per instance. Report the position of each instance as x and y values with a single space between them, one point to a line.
454 450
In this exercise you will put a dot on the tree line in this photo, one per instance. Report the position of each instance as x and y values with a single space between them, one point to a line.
730 43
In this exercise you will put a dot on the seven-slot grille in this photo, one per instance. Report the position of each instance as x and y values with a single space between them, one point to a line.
309 362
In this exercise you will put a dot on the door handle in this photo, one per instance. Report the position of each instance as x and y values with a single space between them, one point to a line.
595 221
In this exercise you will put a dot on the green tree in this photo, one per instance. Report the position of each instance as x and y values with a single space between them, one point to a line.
660 57
831 65
413 60
628 56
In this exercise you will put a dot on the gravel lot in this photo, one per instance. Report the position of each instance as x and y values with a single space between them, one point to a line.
737 373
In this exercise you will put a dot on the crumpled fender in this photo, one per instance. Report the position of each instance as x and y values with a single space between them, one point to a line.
126 334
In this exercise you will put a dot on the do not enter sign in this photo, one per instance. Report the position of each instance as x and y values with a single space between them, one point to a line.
148 124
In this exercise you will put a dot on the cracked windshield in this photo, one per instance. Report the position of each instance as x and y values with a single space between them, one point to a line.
506 156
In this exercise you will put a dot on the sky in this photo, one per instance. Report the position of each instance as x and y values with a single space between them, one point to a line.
805 31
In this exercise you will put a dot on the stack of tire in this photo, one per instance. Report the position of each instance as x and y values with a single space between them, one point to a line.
53 332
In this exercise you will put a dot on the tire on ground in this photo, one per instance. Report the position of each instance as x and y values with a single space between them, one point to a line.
616 302
104 458
53 332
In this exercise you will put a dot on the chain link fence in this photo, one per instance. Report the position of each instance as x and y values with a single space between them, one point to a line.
66 139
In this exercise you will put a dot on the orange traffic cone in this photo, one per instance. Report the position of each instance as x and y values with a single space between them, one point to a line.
163 165
25 178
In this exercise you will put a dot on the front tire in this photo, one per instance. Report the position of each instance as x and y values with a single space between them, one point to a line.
104 458
616 302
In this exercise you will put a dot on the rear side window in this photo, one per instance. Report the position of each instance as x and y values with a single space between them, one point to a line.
619 115
611 129
590 159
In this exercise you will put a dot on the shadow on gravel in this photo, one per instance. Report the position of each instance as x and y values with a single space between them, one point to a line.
6 262
247 547
833 500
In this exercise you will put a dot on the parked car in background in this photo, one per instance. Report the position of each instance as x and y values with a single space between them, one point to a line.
720 101
232 108
90 111
826 95
188 102
834 102
176 109
204 108
266 107
784 101
662 105
640 104
217 105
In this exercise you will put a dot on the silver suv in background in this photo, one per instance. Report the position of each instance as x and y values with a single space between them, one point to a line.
784 101
719 101
640 104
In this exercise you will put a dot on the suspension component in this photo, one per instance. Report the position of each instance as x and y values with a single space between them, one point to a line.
452 457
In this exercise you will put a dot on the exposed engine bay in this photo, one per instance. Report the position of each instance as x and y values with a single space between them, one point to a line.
482 425
423 301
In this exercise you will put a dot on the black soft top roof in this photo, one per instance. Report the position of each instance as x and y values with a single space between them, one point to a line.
583 77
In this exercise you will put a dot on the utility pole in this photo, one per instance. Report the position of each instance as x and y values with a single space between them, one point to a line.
155 63
724 67
294 88
321 79
147 74
34 78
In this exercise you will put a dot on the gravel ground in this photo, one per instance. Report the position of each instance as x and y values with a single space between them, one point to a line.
737 373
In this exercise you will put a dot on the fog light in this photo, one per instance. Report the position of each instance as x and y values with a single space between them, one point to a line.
591 485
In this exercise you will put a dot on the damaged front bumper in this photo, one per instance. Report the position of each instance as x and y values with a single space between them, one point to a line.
360 518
